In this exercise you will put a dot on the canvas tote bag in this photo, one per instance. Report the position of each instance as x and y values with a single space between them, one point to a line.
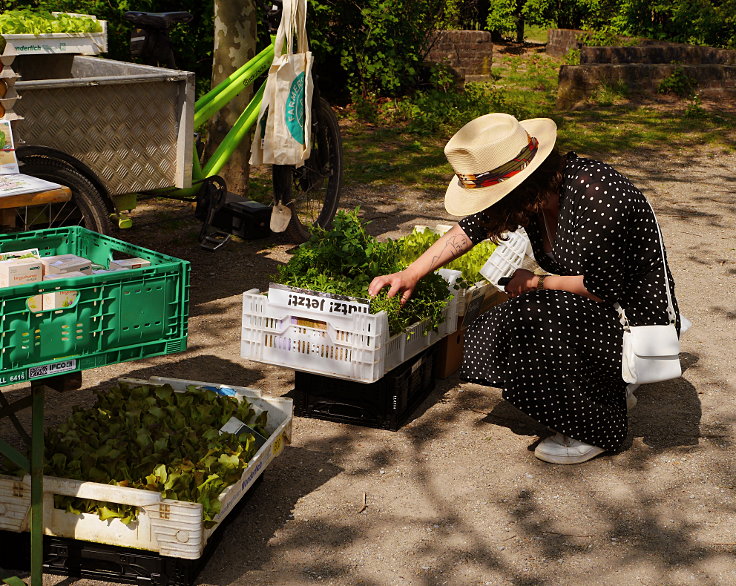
282 135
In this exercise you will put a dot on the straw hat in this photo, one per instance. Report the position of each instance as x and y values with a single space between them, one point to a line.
492 155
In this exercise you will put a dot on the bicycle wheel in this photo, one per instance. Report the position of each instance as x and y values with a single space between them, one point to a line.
313 190
86 207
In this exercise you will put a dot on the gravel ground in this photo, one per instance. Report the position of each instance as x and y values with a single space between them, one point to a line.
456 495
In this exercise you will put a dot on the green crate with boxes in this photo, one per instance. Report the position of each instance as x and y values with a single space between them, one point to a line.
127 303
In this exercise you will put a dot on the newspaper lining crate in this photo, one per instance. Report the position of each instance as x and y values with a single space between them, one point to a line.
165 526
116 317
355 347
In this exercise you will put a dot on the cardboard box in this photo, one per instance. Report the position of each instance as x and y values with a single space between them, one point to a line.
27 253
450 354
60 299
35 303
479 304
66 263
129 263
20 271
452 346
104 271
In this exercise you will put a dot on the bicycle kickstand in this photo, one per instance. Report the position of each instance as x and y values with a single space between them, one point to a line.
213 195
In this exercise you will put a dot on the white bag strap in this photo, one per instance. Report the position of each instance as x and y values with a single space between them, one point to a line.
302 42
670 306
293 24
284 34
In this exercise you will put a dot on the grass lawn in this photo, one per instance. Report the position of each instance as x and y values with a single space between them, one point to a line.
404 143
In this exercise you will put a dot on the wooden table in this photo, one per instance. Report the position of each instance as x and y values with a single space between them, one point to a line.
9 203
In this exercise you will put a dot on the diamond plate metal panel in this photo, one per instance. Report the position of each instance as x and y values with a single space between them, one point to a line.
135 133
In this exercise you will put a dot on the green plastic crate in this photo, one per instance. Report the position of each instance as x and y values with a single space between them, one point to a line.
116 317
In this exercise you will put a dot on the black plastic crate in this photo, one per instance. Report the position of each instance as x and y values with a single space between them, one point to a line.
247 219
98 561
385 404
117 564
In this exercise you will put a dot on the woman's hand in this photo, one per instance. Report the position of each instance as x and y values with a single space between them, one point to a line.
522 281
402 282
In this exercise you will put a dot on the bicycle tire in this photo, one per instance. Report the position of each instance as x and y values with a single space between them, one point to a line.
313 190
86 207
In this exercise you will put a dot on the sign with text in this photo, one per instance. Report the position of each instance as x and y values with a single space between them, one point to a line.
316 301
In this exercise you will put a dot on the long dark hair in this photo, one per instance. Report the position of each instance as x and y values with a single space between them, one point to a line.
525 201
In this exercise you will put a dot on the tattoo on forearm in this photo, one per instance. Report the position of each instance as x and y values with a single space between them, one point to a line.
455 246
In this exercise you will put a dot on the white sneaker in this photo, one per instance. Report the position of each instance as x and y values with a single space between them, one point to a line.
560 449
630 397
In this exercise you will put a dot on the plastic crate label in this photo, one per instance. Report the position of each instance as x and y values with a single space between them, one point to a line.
52 369
291 297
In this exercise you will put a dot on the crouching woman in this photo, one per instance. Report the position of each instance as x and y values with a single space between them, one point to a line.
554 347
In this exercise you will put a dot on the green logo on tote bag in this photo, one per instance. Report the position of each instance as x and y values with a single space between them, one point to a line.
295 108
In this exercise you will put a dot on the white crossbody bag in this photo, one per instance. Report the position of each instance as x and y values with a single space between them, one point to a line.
651 353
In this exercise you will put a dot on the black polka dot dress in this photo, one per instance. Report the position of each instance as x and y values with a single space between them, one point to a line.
557 355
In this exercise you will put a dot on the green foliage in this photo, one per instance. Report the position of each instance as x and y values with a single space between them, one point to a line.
434 111
502 17
608 94
442 77
695 109
572 57
606 37
345 259
678 83
152 438
413 245
524 87
26 21
700 22
379 44
507 16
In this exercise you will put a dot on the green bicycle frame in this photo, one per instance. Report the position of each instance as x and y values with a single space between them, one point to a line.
211 103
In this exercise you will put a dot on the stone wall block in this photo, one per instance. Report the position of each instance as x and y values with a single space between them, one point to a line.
659 53
561 40
577 82
468 53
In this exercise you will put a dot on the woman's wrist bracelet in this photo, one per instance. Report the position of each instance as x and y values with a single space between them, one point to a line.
540 282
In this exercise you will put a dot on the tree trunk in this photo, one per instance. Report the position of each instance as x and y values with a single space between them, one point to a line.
235 43
520 21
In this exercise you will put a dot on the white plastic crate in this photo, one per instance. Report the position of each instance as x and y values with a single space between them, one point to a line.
169 527
508 256
56 43
355 347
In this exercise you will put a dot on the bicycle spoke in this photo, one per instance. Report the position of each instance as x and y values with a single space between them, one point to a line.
22 215
49 216
56 221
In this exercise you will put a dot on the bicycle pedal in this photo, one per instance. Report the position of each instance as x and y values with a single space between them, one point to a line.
214 240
